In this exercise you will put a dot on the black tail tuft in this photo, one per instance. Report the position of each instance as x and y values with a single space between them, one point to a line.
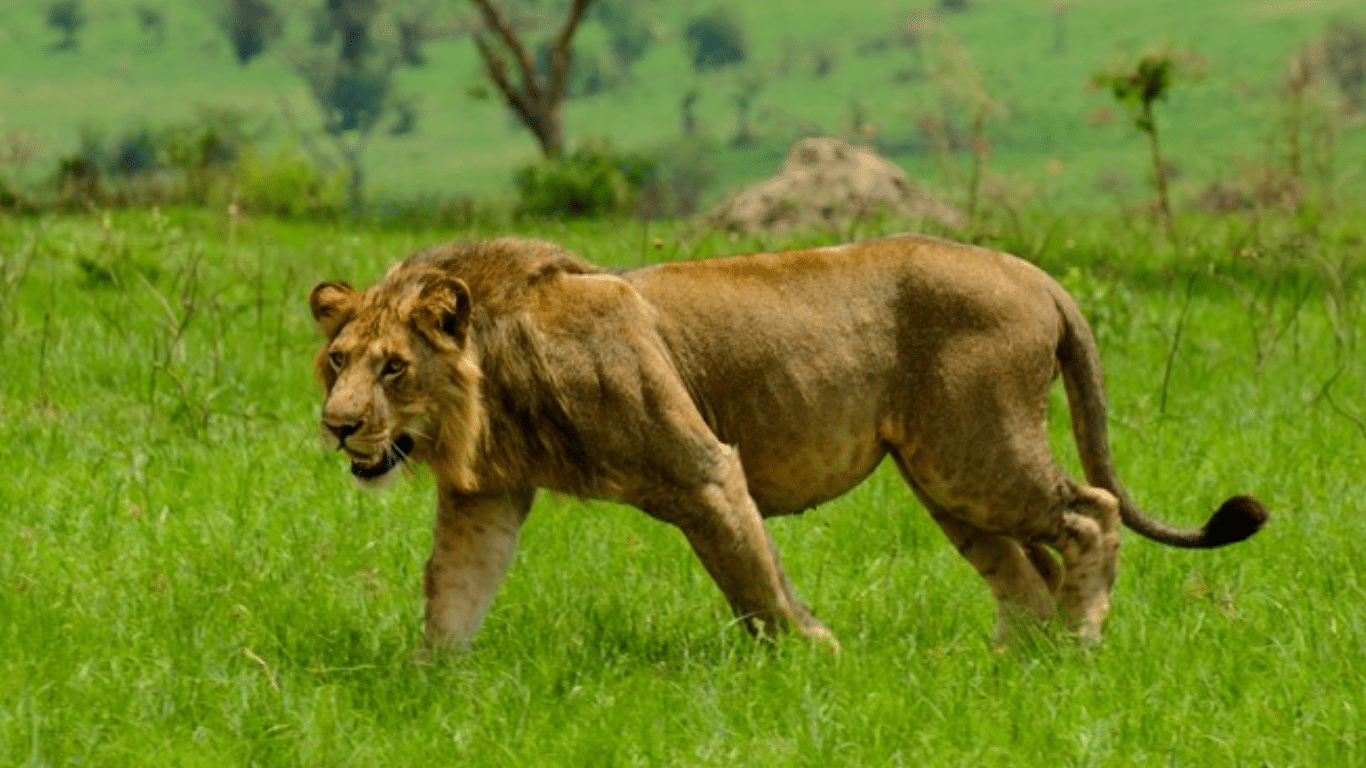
1236 519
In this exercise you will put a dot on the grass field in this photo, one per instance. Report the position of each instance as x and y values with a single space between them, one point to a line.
1054 139
188 578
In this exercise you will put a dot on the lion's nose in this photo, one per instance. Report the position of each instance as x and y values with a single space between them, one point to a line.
342 429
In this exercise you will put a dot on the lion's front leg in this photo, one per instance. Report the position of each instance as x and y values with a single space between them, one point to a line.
473 545
725 529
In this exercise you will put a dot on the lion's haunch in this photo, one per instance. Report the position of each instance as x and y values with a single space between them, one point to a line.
713 394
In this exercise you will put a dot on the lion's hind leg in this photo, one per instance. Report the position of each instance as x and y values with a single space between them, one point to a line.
1024 600
1089 544
1023 575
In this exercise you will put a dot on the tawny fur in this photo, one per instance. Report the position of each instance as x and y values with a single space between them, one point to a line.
713 394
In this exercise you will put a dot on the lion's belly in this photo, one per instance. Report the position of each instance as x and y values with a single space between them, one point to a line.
800 481
791 472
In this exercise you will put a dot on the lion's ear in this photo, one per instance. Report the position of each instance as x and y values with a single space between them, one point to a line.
333 304
443 310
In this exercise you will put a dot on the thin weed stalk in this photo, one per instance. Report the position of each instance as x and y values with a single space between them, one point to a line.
13 270
42 358
1326 395
1176 343
169 338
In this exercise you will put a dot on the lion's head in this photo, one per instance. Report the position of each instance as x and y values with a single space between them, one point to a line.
400 372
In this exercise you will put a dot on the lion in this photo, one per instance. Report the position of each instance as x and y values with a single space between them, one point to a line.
714 394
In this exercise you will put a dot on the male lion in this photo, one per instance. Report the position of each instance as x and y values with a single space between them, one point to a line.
714 394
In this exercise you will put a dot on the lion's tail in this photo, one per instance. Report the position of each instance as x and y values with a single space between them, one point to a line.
1236 519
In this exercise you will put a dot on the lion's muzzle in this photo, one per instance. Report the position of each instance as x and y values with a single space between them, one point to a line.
393 454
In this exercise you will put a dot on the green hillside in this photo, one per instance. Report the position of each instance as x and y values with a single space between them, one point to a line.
1054 139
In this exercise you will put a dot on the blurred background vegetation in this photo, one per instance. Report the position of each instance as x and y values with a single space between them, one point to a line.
414 109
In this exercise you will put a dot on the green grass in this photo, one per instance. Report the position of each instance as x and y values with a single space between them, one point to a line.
1046 145
188 578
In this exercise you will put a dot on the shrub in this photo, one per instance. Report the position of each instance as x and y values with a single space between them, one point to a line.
1344 47
1139 85
288 183
213 159
593 181
17 149
134 152
682 172
250 25
412 33
716 40
629 32
152 21
78 179
66 17
206 149
353 19
425 212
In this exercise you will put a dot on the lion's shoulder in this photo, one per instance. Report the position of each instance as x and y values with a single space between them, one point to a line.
500 273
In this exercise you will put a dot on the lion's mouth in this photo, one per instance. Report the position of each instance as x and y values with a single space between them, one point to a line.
392 456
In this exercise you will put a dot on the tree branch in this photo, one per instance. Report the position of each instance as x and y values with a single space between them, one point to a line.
536 101
499 25
497 69
562 56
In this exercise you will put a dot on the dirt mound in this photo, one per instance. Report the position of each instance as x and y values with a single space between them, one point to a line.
826 183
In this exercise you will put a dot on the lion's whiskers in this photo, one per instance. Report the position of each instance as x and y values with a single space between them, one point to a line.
418 433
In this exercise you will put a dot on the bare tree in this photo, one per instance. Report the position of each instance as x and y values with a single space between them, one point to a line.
537 102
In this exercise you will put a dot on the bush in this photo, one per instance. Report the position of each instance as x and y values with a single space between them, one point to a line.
593 181
287 183
215 137
412 33
250 25
211 159
427 212
630 33
66 17
152 21
716 40
77 179
682 172
134 152
1345 56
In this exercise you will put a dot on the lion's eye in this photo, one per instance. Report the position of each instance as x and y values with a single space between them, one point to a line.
336 360
394 368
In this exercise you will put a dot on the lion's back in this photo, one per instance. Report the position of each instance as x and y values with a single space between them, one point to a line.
811 361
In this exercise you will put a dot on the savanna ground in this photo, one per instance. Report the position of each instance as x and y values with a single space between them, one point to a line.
188 578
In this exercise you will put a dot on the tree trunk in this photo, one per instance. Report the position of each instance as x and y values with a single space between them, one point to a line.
1164 211
537 103
355 182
